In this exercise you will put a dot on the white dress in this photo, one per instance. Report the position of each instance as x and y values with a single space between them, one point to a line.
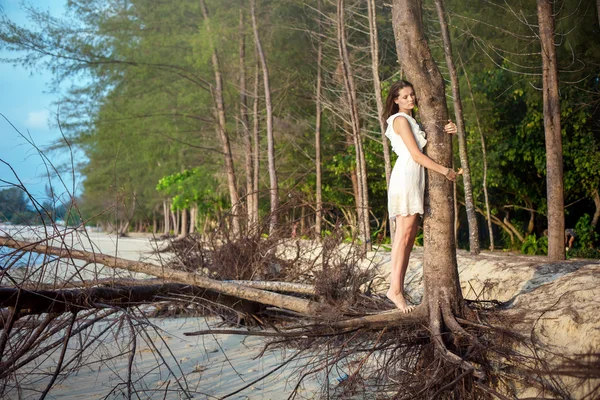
407 182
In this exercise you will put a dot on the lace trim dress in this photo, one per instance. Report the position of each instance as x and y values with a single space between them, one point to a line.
407 182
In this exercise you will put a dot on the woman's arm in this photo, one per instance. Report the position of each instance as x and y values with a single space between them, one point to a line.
402 128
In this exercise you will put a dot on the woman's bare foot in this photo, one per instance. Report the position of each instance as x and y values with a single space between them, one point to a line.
399 301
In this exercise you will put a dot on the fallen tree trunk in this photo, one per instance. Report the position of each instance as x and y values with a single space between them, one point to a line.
74 300
302 306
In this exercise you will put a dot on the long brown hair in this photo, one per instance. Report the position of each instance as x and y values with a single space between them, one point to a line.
391 107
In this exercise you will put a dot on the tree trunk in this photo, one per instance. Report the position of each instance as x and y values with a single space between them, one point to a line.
124 226
222 127
256 141
245 123
193 218
512 228
374 44
456 210
302 306
484 156
167 217
318 112
154 221
273 185
442 295
177 220
598 10
596 202
460 123
352 103
554 162
184 224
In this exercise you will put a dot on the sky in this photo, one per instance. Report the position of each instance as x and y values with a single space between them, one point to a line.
26 101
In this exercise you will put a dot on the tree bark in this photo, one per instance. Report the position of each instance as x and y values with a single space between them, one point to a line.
184 224
352 103
484 157
554 161
460 123
596 203
245 124
302 306
318 112
374 45
273 185
256 140
64 300
167 217
222 127
442 295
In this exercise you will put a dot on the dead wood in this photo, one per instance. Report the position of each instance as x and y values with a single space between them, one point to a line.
302 306
74 300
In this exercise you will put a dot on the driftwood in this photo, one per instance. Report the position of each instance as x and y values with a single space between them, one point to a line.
245 296
74 300
302 306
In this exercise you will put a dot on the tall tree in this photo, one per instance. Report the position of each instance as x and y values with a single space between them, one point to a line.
273 185
362 196
318 114
442 295
554 151
245 129
460 122
484 162
374 46
221 127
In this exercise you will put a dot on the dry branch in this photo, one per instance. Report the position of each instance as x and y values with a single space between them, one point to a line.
301 306
73 300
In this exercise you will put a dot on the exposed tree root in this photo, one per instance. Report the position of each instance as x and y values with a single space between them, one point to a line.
430 353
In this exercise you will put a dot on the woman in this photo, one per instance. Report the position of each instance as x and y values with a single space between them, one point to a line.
407 182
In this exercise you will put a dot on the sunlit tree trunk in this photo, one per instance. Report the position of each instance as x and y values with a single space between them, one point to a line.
256 140
460 123
222 127
597 204
352 104
273 185
442 295
554 161
184 224
318 112
245 125
193 218
167 218
484 158
374 45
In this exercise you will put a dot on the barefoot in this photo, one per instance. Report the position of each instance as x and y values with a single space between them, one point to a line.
399 301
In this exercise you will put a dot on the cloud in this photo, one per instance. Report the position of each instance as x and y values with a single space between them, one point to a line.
38 119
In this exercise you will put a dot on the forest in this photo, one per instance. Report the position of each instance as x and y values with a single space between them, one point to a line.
192 114
249 138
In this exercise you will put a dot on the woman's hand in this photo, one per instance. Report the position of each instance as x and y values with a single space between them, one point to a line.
450 127
451 174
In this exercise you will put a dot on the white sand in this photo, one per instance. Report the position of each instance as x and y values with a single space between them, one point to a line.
559 302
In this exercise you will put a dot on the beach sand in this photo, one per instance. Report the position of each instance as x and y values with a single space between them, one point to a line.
557 302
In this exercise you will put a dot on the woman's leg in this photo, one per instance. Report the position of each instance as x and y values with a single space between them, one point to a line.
404 238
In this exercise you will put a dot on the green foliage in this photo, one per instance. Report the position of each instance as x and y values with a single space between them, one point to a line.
192 187
144 113
419 238
535 246
587 237
583 252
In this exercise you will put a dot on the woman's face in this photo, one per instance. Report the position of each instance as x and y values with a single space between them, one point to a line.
406 99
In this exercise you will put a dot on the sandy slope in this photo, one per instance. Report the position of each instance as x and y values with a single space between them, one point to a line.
558 302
